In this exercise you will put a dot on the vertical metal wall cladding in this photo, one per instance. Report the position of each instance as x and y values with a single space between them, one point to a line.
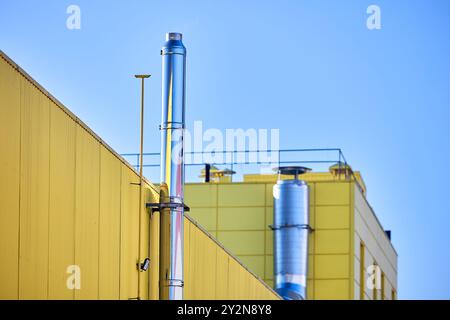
291 228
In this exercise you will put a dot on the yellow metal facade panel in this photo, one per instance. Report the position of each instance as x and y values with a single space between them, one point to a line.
87 209
222 261
244 218
332 241
129 231
310 289
62 203
332 217
266 178
34 193
311 266
269 242
352 241
310 177
234 284
188 260
109 226
312 243
208 254
206 279
244 291
148 195
331 289
269 196
202 195
208 217
269 217
332 193
312 205
154 253
254 263
268 273
331 266
242 242
211 273
202 265
9 180
241 195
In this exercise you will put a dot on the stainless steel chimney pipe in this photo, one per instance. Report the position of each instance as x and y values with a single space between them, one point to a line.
291 230
172 168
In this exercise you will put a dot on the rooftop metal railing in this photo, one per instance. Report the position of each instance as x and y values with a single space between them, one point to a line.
245 161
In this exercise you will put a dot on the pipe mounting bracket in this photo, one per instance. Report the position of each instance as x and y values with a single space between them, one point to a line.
285 226
157 207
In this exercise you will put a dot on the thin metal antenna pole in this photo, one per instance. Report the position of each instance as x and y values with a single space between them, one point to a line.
142 77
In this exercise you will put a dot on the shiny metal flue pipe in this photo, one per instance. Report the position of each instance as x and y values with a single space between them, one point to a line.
291 231
172 167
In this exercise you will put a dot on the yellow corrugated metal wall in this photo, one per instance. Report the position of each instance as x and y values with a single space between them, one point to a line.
9 180
212 273
67 199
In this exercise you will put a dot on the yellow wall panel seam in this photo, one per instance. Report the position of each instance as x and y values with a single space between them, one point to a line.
245 230
120 230
352 241
48 193
332 229
99 219
20 184
146 211
315 247
75 204
265 238
217 208
240 206
120 234
332 278
331 205
49 190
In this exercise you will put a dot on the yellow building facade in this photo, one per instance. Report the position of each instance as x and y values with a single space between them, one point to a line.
68 200
345 228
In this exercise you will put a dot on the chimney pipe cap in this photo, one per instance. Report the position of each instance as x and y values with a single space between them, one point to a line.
292 170
174 36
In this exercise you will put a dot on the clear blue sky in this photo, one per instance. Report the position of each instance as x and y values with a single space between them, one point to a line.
310 68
